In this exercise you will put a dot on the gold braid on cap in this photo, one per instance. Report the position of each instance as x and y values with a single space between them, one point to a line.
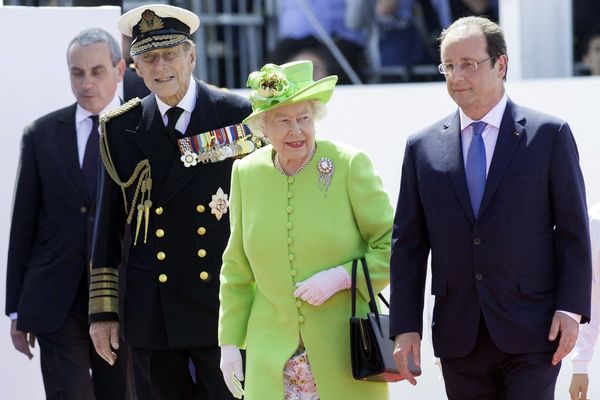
141 176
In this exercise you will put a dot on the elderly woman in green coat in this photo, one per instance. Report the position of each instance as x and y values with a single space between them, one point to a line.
301 209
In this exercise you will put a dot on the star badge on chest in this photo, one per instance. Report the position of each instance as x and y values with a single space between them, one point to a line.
219 204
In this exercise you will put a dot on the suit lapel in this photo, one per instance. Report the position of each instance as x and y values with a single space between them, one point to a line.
512 130
452 150
204 118
66 136
151 138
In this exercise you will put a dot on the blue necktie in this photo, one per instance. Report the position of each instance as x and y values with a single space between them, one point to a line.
476 165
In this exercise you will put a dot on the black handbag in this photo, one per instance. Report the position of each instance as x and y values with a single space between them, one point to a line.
371 349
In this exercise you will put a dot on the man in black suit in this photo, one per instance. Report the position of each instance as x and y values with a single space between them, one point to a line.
177 209
495 192
52 224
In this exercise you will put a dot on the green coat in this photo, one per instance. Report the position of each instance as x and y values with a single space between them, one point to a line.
283 231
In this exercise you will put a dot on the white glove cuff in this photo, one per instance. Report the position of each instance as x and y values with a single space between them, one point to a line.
344 281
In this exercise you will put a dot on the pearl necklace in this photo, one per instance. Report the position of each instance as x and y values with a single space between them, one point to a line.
304 164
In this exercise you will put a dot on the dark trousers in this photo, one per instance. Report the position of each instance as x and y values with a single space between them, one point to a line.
487 373
71 368
165 374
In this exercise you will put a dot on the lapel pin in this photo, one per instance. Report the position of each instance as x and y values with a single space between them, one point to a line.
517 134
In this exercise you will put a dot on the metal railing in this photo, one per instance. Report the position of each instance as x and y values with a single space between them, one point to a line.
232 39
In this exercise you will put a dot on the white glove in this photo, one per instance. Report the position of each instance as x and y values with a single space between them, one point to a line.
231 368
322 285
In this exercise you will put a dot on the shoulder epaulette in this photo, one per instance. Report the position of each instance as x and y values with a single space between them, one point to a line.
141 176
105 117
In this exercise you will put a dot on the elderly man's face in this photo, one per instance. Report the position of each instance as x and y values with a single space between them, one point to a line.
167 71
291 130
93 77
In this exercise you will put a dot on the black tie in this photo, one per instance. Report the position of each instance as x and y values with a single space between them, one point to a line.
173 114
89 166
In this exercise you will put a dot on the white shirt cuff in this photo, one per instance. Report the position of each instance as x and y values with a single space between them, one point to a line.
12 316
576 317
581 367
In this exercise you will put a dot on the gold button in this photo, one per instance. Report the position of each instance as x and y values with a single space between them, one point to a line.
293 272
162 278
201 253
290 195
160 233
301 319
289 225
290 179
298 304
200 208
161 255
291 257
204 275
159 210
290 209
201 231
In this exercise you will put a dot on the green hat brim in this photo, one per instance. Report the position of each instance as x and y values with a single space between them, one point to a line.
321 90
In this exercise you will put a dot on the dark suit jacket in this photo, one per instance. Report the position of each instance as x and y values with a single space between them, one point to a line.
527 255
51 228
181 312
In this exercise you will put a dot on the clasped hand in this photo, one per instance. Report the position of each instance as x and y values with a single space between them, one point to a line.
322 285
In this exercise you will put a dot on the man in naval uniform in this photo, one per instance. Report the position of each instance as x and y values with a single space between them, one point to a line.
166 176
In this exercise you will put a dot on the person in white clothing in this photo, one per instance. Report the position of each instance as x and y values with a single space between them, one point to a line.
588 333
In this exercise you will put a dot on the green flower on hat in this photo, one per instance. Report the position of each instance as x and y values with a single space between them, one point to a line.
269 86
276 86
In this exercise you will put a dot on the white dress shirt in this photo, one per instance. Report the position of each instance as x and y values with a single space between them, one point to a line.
83 124
490 133
187 103
588 333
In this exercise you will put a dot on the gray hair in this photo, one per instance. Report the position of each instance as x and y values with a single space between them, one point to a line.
97 35
257 124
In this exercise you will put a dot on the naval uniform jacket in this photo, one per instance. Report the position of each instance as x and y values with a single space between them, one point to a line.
52 225
172 276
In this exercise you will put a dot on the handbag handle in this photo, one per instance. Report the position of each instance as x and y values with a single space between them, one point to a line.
372 303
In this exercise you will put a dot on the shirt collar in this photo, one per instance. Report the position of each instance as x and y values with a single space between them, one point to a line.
493 117
187 103
82 114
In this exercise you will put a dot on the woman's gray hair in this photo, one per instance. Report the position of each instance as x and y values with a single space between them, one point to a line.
97 35
257 124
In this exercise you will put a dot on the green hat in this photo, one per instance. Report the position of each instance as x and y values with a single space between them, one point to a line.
279 85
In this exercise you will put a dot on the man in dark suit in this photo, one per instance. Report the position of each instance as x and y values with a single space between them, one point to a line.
51 232
495 192
177 209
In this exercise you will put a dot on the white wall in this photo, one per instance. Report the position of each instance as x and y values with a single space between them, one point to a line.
34 81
